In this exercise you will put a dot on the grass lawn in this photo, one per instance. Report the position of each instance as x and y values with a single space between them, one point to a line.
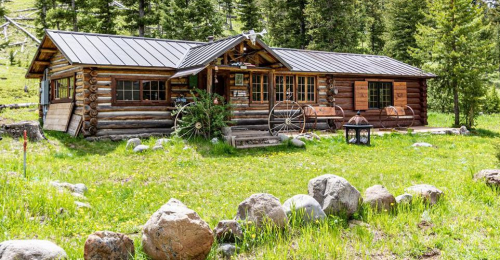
126 188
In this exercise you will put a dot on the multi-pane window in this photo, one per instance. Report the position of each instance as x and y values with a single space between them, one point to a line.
380 94
141 90
306 89
260 88
64 88
284 87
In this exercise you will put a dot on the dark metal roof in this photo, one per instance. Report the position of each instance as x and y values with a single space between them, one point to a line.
347 63
202 54
100 49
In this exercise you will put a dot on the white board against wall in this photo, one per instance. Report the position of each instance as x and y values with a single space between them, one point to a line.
58 117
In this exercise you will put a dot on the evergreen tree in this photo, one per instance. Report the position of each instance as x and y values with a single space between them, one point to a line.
228 7
140 14
492 101
334 25
453 46
287 23
67 14
191 20
102 16
374 11
250 15
402 19
42 22
494 18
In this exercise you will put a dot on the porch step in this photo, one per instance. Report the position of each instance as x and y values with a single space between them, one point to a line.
250 138
243 139
256 145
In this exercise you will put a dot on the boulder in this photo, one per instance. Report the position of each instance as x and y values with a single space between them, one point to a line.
307 207
132 143
429 193
404 198
82 205
335 194
227 250
157 147
141 148
262 208
298 143
31 250
108 245
228 231
283 137
491 176
176 232
161 142
464 131
76 188
379 198
422 145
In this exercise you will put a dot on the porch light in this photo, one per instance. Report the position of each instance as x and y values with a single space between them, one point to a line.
357 130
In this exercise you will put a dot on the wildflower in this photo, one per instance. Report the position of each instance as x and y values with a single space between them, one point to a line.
253 236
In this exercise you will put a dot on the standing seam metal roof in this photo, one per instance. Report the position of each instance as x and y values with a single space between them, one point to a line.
100 49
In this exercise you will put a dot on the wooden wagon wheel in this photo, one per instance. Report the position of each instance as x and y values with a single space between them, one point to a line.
286 117
385 117
311 117
338 123
186 129
407 120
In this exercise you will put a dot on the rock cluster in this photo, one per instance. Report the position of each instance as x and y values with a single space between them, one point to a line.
136 145
379 198
262 208
491 176
335 194
108 245
305 206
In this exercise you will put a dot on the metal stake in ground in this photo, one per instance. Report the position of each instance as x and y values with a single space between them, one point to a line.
25 145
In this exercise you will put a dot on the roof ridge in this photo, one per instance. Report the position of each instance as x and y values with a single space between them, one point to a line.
332 52
219 40
124 36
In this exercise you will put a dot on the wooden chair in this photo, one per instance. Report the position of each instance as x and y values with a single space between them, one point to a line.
403 116
334 116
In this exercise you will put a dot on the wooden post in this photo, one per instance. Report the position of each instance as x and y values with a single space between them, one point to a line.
272 90
209 79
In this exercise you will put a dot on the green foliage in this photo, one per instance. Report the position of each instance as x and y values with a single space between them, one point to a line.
374 11
454 45
331 31
250 15
203 117
287 24
492 101
104 18
403 16
190 20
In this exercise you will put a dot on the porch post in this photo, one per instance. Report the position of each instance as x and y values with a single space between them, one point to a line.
209 79
272 89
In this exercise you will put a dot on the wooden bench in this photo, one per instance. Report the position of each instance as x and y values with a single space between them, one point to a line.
334 116
403 116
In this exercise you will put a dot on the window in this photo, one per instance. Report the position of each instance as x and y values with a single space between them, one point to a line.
306 89
63 88
380 94
140 90
193 81
284 88
260 88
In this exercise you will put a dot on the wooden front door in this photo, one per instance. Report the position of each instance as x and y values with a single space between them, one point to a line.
221 86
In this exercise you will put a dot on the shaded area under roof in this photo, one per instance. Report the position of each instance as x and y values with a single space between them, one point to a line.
347 63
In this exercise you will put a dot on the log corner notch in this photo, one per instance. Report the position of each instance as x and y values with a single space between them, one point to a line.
90 102
423 101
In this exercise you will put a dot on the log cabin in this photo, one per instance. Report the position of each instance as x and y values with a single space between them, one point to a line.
120 86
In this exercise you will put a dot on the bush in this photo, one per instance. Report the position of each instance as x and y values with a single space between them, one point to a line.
492 101
203 117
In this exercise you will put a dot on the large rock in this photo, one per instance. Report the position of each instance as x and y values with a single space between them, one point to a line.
404 198
132 143
31 250
298 143
228 231
16 130
491 176
141 148
379 198
262 208
227 250
335 194
307 207
77 188
108 245
176 232
429 193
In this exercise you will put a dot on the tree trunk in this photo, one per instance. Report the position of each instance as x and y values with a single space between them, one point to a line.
16 130
141 16
456 108
75 18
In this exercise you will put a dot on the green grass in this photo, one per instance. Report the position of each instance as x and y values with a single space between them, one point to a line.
126 188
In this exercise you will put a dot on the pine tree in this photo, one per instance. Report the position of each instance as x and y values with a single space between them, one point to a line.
228 7
374 11
250 15
102 16
402 19
494 18
66 14
42 22
287 23
334 25
191 20
454 47
141 14
492 101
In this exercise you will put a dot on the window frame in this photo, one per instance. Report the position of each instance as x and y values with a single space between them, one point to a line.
379 84
315 89
141 102
53 89
261 101
294 86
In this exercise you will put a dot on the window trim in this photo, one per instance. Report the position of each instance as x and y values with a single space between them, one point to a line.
53 90
294 86
115 102
262 101
378 82
315 87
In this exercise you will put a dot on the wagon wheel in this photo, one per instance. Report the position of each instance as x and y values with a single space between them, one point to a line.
286 117
384 117
407 120
311 117
186 126
339 123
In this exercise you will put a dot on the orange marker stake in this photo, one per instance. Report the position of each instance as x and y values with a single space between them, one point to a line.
25 145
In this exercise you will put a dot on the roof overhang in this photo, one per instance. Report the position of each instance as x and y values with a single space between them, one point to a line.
188 72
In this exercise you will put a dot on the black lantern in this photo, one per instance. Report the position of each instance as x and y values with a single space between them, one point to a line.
357 130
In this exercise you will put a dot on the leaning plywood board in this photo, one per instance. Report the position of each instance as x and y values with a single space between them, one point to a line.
58 117
74 125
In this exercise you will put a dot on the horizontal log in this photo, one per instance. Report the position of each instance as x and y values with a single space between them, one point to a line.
130 124
110 132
